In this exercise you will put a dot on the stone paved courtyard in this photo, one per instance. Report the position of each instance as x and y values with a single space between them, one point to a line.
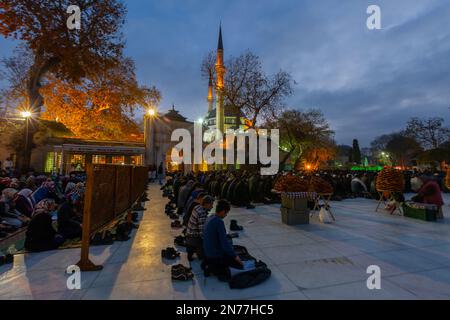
314 261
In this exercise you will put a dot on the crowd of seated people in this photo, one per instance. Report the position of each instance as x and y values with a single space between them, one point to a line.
50 208
243 188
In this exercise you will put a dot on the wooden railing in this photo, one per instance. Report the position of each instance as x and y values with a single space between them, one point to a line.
111 192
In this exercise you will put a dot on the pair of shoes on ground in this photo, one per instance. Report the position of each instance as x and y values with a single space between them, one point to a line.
103 239
234 226
180 241
169 207
181 273
170 253
176 224
174 216
135 217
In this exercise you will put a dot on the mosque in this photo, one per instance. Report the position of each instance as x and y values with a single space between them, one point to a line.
219 117
222 117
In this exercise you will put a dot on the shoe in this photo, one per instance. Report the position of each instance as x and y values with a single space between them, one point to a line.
181 275
250 206
176 224
181 267
169 253
99 240
173 216
232 235
180 241
234 226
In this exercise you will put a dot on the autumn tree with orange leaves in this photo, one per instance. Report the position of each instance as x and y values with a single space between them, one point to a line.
81 75
68 54
100 107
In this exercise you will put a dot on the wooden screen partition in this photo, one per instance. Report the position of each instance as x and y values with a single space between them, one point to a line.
111 191
123 189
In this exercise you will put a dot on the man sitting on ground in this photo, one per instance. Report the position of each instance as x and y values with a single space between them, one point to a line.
191 205
218 250
194 231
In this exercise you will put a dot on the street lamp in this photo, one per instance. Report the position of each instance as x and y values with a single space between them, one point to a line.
151 112
26 115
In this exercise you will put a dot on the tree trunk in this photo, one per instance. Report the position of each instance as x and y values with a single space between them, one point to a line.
286 157
35 101
37 73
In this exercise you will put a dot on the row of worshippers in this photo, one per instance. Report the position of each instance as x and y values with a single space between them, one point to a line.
205 233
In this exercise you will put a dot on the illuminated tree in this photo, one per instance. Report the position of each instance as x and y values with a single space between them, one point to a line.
100 107
304 136
68 54
315 157
402 148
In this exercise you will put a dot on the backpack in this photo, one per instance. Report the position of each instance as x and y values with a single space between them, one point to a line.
250 278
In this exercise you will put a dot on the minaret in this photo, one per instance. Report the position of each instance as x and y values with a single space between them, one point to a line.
220 71
210 93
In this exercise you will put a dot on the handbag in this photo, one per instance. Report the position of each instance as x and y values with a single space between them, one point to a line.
325 216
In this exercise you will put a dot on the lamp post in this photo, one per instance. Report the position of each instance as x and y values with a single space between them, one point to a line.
150 136
26 115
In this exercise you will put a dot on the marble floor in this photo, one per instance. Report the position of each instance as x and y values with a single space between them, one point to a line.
315 261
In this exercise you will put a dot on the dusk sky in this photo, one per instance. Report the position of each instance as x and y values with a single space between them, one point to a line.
367 82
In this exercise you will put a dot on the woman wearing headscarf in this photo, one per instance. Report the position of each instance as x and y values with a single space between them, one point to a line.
40 234
430 193
7 215
23 202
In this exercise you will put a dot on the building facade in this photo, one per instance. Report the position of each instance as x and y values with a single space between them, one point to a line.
158 130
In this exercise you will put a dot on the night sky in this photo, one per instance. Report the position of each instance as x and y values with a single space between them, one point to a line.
367 82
